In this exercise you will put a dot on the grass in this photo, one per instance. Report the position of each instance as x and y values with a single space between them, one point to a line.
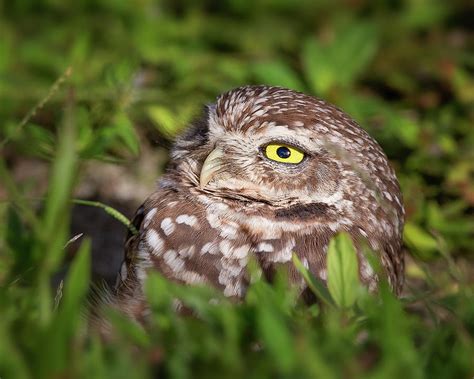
104 80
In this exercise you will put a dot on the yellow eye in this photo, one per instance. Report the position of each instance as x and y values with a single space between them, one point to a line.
283 153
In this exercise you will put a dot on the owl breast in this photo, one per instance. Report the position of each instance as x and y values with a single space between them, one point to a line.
198 239
206 241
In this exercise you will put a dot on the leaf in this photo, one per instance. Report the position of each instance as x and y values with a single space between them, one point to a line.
407 130
126 131
164 119
157 291
76 286
128 328
341 61
276 337
353 49
13 363
198 298
64 327
55 217
343 271
43 140
318 288
419 240
317 67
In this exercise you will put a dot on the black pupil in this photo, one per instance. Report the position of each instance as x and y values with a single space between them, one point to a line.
283 152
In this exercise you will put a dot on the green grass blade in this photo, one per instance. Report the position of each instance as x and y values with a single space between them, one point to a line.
343 271
316 286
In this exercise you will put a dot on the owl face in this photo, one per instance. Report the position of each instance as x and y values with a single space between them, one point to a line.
269 164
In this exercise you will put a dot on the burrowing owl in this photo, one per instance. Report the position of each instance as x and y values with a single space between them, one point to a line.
266 172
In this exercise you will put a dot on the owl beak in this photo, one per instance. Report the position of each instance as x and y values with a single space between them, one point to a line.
210 167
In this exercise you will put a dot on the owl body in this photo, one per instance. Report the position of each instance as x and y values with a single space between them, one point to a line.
267 172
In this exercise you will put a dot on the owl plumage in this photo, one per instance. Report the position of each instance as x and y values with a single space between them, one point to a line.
233 191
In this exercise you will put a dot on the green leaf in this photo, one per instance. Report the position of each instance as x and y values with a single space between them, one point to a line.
343 271
41 140
419 240
352 51
341 61
55 219
157 291
198 298
276 337
164 119
76 286
64 327
128 328
13 364
318 288
127 133
317 67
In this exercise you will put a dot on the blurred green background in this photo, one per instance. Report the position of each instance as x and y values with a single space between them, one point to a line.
92 93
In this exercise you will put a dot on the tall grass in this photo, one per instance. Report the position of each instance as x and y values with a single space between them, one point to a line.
272 333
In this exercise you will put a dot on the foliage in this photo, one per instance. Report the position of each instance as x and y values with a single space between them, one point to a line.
93 80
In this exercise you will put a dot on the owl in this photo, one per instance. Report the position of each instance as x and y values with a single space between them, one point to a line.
267 172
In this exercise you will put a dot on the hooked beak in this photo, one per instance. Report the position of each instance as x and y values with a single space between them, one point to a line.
210 167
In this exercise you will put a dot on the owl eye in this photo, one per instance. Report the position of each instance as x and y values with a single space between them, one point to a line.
279 152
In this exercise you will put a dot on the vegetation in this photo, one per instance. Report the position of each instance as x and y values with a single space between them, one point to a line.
93 81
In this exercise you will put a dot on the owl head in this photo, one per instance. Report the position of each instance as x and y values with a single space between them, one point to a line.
298 162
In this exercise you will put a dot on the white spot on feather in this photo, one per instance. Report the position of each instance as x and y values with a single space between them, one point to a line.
173 261
362 231
191 277
366 270
154 241
186 219
141 274
149 216
123 271
233 289
143 262
241 252
188 251
264 247
323 274
225 248
387 195
210 248
168 226
305 263
228 231
285 254
229 271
